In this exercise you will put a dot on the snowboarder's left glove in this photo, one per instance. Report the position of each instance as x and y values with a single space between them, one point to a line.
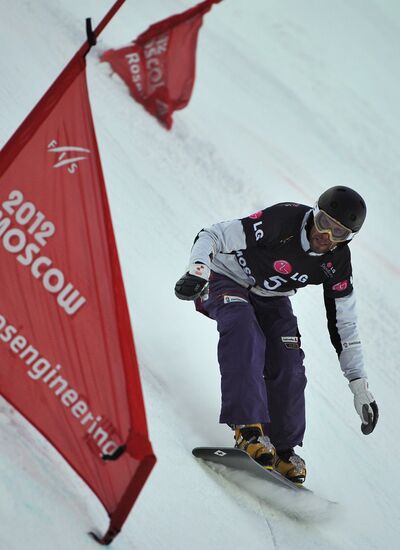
191 285
365 404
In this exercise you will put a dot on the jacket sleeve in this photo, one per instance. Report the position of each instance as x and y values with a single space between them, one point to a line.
225 237
340 305
342 326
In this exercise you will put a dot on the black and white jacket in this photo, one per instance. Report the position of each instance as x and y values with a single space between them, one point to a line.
269 252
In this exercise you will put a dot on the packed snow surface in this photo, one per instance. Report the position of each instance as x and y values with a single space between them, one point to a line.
291 97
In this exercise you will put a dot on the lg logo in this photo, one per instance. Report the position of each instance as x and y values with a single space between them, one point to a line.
282 266
274 282
259 233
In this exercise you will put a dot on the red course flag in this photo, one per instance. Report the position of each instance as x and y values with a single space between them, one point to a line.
159 66
67 358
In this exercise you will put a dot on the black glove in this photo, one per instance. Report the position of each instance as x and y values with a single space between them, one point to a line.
191 286
371 415
365 404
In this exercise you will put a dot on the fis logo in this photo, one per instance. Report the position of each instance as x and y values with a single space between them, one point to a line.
68 156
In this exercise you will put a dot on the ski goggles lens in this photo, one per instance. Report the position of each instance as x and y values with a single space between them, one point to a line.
337 231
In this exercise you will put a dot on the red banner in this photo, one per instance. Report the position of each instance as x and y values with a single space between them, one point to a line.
159 66
67 358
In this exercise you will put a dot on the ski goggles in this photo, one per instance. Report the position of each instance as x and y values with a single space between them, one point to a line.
326 224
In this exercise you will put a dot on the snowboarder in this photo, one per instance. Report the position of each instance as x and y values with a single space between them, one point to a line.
241 274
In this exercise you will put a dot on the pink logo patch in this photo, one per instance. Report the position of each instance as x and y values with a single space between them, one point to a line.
256 215
282 266
199 269
329 265
339 287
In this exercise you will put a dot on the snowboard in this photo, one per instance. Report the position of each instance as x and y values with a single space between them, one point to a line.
240 460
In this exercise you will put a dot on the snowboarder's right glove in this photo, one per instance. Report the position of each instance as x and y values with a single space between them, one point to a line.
193 283
365 404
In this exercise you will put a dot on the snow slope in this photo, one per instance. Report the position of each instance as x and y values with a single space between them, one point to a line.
292 97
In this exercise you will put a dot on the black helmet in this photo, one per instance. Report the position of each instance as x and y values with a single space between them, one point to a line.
344 205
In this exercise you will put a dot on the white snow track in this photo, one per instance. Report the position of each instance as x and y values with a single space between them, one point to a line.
291 97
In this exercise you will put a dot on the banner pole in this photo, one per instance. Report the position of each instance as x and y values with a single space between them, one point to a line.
86 46
109 15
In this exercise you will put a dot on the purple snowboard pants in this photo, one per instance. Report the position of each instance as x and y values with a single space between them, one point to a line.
261 361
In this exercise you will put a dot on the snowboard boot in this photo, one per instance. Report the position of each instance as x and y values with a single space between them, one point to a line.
251 438
291 466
